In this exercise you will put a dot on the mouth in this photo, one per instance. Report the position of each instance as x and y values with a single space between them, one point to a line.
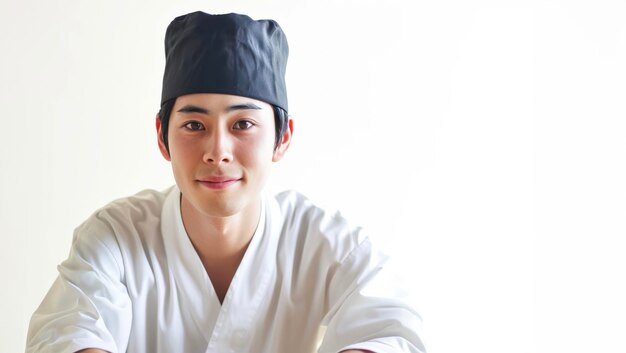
218 183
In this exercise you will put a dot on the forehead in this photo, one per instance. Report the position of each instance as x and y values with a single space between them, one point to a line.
217 102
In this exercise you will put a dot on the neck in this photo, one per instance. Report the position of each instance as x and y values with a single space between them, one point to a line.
220 237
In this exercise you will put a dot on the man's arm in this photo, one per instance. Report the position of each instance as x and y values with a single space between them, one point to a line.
369 309
88 304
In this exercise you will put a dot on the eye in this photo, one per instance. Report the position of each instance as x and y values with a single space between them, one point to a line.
194 126
243 125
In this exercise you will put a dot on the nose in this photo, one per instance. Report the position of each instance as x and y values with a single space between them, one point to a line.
219 148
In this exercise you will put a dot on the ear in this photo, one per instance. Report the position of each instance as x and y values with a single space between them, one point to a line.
284 142
162 147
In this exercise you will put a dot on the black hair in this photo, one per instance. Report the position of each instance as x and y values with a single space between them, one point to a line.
281 122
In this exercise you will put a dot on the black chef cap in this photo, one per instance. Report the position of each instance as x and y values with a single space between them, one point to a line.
230 54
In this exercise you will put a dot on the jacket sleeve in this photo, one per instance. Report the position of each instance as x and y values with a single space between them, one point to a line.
88 304
368 308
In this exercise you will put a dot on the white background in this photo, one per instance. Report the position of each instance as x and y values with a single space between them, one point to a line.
482 142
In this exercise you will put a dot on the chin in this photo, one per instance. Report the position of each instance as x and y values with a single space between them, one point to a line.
221 203
221 212
219 207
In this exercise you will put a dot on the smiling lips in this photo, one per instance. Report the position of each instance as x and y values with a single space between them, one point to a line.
217 183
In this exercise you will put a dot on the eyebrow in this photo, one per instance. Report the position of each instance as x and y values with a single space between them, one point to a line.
190 108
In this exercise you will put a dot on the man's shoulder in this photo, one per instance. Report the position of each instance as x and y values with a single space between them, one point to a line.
304 220
143 203
127 216
289 199
295 206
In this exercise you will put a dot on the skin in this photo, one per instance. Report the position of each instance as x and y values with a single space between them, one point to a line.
221 148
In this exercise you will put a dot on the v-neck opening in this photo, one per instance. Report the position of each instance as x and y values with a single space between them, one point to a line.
215 320
249 252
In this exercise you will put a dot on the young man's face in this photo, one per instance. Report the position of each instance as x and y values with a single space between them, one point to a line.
221 148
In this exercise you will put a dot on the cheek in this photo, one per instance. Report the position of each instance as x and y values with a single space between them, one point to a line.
258 153
183 154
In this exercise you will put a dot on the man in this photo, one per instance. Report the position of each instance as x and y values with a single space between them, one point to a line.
214 264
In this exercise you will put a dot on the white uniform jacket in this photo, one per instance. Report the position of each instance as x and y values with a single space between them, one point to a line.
134 283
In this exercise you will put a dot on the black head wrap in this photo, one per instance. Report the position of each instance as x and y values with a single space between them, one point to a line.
231 54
